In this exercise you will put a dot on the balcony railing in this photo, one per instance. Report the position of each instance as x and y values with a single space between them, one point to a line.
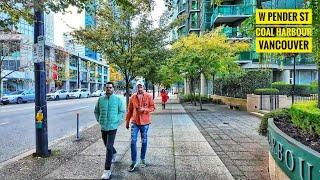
249 56
182 7
254 58
231 10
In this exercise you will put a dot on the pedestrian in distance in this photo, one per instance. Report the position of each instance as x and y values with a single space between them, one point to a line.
109 112
139 116
164 98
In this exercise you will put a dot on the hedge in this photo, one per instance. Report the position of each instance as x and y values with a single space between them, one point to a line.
239 85
300 89
306 116
189 97
266 91
279 113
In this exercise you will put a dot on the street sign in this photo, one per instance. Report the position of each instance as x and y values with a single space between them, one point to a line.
39 50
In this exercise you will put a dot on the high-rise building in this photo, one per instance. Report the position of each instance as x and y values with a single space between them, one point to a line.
90 21
205 15
18 63
71 46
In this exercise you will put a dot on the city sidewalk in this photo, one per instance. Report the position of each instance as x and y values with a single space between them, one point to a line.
176 150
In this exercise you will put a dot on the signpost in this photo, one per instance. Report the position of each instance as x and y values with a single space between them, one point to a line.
40 85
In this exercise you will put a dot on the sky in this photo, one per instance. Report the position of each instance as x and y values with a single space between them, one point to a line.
66 22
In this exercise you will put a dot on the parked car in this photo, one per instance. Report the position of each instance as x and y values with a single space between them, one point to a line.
58 94
79 93
18 97
98 93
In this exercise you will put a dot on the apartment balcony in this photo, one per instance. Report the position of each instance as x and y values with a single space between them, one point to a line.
248 57
231 13
182 7
233 33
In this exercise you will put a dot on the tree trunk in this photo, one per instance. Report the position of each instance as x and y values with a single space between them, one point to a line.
1 86
127 88
194 92
213 91
319 85
153 91
200 102
146 83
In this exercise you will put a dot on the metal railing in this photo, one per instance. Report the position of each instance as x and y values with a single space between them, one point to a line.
232 10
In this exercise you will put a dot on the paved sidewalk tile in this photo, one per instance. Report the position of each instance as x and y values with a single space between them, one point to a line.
176 150
234 137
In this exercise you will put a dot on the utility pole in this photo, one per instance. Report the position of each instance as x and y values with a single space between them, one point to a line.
40 83
78 66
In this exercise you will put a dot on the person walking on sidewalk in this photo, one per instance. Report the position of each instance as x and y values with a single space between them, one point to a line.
139 114
109 112
164 98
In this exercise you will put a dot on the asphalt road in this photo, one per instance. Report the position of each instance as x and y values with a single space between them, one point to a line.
17 127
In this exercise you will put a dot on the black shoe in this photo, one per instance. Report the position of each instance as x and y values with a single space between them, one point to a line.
132 167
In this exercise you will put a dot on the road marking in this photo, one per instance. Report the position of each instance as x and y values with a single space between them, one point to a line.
48 105
77 108
1 124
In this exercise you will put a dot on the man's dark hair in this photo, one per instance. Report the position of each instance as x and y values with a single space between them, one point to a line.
110 83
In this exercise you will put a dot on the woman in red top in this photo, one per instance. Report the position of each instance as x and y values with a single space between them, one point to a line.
164 98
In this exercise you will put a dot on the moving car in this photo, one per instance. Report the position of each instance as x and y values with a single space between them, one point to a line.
98 93
58 94
79 93
18 97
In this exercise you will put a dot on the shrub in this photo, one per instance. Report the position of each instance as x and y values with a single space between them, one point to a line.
279 113
189 97
286 89
314 87
306 116
239 85
266 91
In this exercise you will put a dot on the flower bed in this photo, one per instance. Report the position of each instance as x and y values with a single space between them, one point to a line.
289 158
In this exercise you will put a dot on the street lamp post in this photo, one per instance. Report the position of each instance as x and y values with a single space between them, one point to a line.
294 77
40 84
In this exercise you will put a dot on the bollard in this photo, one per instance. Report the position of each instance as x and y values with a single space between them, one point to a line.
78 137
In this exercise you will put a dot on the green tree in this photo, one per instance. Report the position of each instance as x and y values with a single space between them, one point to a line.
314 5
23 9
205 54
117 40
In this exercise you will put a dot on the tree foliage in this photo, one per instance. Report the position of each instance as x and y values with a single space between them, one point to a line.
133 50
14 10
207 54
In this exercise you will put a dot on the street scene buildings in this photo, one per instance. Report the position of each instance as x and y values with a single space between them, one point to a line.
162 89
203 16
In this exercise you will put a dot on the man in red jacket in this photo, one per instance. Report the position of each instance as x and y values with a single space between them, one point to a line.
139 114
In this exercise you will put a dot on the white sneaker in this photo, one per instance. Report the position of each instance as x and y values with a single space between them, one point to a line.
114 158
106 174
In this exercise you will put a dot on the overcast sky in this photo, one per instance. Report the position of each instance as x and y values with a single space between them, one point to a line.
62 23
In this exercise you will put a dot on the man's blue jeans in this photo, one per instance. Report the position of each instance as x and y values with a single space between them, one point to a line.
144 139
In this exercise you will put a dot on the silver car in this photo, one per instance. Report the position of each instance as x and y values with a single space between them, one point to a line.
79 93
58 94
18 97
98 93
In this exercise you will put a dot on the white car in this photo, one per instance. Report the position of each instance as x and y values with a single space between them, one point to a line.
98 93
58 94
79 93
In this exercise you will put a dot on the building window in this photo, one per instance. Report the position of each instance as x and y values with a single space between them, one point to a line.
194 20
194 5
